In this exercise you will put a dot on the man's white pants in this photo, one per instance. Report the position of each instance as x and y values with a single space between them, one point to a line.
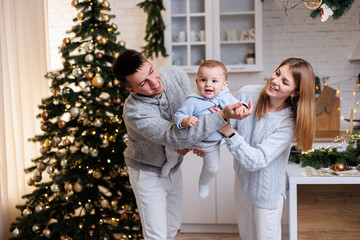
159 200
257 223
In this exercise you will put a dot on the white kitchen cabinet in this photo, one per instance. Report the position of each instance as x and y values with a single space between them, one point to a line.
225 30
217 212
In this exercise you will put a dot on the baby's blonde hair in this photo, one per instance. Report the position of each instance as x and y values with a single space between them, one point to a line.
212 64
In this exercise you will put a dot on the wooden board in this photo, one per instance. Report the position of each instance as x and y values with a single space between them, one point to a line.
329 212
329 122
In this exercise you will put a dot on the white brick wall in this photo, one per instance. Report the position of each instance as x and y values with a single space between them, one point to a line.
327 46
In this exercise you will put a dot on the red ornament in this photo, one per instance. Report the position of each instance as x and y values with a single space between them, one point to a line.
45 115
61 124
44 127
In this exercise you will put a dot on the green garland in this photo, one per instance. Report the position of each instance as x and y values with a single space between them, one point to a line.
154 28
339 8
324 157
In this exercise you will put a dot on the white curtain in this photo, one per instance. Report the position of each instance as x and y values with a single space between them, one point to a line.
22 85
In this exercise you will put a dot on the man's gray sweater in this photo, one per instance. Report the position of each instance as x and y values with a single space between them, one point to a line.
150 127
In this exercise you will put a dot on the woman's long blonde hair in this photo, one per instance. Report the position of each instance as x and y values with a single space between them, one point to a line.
303 105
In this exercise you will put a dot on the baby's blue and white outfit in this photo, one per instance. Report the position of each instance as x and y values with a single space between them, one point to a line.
198 106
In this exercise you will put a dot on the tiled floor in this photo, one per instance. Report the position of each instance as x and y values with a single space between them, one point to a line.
201 236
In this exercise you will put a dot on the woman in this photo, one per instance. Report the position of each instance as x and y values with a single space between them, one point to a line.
260 144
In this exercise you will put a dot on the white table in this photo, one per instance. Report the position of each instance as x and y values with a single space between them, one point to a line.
296 176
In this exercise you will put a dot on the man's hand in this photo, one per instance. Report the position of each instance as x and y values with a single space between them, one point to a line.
189 121
184 151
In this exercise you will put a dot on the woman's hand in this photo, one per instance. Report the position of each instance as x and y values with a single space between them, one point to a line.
235 111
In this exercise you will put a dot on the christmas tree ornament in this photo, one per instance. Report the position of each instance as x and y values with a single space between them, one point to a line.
41 166
97 174
36 173
94 152
105 143
47 232
103 41
338 167
77 72
44 126
75 112
43 150
325 12
89 47
110 30
57 139
74 3
89 75
97 81
89 58
64 163
30 182
80 16
61 124
121 43
39 208
50 170
98 123
66 41
105 18
113 173
104 96
47 142
35 228
68 187
45 115
117 101
67 91
104 203
116 83
16 232
85 149
26 212
312 4
78 187
105 5
114 26
99 55
87 89
98 69
55 188
66 142
107 104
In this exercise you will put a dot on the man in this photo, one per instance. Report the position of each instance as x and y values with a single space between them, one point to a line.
148 114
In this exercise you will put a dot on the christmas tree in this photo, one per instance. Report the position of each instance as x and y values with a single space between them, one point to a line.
85 193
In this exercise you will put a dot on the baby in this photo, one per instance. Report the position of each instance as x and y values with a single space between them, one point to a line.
211 92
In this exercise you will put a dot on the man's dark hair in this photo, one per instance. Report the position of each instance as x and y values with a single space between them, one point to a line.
127 63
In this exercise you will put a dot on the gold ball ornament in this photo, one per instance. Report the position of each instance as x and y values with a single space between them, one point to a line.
121 43
312 4
39 208
16 232
114 26
78 187
30 182
45 115
68 187
97 81
116 82
46 232
103 41
44 127
80 16
97 174
105 18
35 228
105 5
61 124
338 167
66 41
74 3
89 75
48 142
117 101
99 55
55 188
41 166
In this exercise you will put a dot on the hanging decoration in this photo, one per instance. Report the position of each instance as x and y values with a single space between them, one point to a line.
325 12
312 4
154 28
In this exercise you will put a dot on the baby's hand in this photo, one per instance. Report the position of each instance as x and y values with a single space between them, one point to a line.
189 121
244 110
